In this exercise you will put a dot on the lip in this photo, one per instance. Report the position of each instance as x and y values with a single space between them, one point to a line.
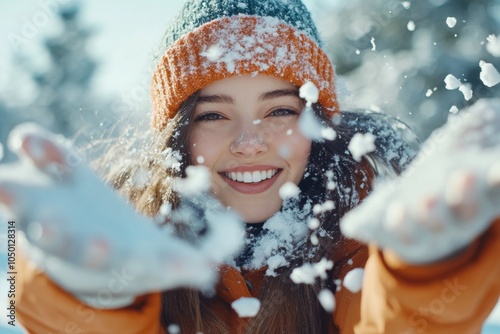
251 188
249 168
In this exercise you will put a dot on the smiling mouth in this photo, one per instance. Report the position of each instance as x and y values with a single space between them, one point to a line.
251 177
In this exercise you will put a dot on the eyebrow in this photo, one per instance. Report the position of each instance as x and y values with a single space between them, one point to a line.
215 99
279 93
263 97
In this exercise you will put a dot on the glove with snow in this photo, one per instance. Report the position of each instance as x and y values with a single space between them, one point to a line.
84 235
448 196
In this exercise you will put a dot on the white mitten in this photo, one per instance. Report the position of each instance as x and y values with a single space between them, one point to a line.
448 196
88 239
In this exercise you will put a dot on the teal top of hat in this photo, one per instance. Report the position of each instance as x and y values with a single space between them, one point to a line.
195 13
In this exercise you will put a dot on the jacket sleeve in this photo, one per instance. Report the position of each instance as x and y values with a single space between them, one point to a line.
453 296
43 307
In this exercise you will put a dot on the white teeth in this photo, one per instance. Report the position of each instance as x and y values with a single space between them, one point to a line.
256 176
252 177
247 177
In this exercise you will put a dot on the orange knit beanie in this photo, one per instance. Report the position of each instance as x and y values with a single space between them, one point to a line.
215 39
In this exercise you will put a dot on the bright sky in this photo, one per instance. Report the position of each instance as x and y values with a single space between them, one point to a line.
126 33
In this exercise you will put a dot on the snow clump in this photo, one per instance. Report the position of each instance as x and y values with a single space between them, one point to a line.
353 281
361 144
493 45
327 300
451 22
452 82
289 190
309 92
489 74
411 26
466 89
196 182
246 307
308 272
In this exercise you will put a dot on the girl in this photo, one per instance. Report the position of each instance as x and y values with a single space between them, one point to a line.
227 96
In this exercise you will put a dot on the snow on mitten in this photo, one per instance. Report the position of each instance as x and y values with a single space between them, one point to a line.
448 196
84 236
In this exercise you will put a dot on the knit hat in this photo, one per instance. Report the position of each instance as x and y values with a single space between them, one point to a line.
215 39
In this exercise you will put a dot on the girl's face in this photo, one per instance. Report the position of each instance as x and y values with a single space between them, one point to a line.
245 130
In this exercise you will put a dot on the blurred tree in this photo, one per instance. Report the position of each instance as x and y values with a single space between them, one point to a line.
396 54
63 88
8 118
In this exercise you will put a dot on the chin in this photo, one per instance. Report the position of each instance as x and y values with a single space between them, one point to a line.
252 218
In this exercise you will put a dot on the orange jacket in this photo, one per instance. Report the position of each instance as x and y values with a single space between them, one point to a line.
454 296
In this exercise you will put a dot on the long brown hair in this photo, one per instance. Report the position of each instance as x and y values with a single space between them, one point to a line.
299 310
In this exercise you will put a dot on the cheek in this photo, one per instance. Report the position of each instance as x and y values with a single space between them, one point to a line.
204 148
295 150
294 147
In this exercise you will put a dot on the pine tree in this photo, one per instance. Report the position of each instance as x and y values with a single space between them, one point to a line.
64 88
396 54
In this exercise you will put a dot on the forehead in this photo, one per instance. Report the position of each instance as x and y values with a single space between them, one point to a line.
247 84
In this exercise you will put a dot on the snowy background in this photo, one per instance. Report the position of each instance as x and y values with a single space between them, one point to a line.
78 66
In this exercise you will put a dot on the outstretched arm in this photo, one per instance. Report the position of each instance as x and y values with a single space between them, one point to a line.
434 266
80 239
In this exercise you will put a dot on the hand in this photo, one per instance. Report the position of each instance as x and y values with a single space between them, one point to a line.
88 239
448 196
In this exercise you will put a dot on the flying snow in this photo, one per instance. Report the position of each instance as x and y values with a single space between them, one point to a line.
309 92
353 280
1 151
328 133
289 190
309 125
372 41
411 26
451 22
361 144
313 223
196 182
308 272
466 89
327 300
173 329
452 82
246 307
493 45
200 159
489 74
453 109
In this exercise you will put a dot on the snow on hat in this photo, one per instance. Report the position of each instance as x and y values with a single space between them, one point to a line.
215 39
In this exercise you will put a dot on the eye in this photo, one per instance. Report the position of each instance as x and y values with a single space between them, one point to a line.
208 117
283 112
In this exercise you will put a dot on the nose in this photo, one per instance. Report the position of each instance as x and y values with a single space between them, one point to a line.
249 142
